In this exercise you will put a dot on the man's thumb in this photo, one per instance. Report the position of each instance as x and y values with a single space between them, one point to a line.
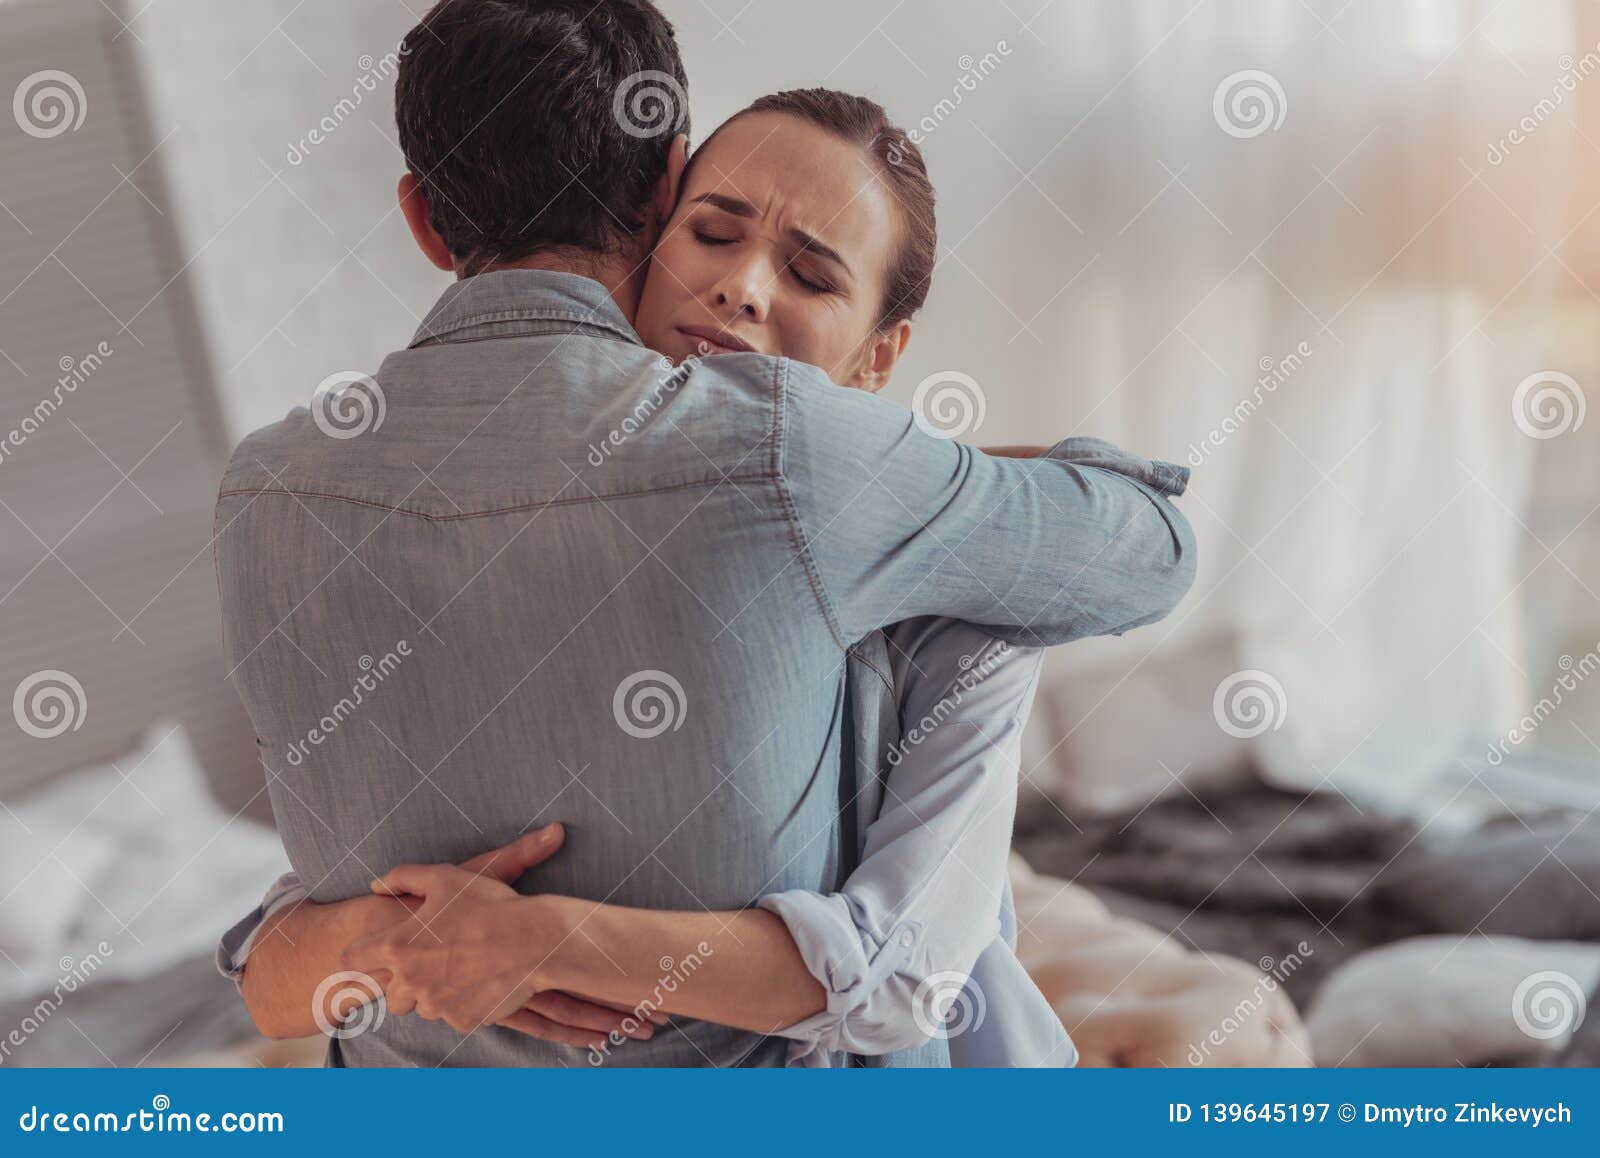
510 861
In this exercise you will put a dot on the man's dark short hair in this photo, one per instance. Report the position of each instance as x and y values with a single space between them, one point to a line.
539 125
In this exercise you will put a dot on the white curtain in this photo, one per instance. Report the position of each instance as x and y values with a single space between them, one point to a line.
1334 214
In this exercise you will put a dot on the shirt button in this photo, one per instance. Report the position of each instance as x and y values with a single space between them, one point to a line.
907 939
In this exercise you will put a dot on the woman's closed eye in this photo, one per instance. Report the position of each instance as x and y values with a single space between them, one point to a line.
705 237
811 282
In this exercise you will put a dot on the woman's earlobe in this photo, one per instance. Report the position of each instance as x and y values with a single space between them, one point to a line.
885 356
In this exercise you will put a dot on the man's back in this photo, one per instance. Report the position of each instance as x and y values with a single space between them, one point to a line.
549 586
545 577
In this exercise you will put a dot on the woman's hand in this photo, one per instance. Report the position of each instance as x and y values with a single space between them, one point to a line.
470 955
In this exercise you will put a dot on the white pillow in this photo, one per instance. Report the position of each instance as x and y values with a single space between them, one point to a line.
1447 1000
135 854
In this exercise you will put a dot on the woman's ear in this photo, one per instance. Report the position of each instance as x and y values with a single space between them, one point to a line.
415 210
879 358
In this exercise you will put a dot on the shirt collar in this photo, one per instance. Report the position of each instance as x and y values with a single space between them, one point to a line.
514 295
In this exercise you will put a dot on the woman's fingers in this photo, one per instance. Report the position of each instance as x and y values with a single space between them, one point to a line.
422 880
657 1016
534 1025
400 999
510 861
572 1011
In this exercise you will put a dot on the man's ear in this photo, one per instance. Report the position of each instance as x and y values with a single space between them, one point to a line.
880 357
665 199
415 209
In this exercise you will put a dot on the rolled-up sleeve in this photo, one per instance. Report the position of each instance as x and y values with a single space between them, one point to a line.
896 944
233 950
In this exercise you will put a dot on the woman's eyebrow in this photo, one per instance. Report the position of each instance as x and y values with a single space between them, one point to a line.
820 248
739 207
734 205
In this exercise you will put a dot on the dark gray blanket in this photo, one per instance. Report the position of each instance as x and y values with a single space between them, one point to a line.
1255 872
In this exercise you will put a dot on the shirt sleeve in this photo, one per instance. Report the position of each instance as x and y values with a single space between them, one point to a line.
894 947
234 947
896 523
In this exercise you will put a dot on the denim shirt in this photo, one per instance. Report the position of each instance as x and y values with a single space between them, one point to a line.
550 578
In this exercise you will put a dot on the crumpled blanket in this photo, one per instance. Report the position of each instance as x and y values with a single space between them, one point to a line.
1279 878
1130 997
1251 872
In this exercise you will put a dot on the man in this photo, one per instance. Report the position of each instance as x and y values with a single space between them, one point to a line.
650 649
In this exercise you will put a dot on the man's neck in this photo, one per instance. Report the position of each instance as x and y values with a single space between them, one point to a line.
622 276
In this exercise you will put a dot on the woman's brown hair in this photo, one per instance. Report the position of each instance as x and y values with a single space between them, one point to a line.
864 122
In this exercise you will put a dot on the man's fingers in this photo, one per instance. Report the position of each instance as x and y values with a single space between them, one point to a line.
569 1010
510 861
421 880
534 1025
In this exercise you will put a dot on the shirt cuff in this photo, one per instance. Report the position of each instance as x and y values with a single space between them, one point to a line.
234 947
852 968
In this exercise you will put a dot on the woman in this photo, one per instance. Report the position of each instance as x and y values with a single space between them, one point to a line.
806 230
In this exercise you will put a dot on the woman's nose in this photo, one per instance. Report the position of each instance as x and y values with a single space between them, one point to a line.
746 290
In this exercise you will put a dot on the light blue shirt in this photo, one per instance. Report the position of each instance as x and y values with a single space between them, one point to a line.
626 595
938 710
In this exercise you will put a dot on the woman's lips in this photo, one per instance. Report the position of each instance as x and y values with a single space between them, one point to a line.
709 340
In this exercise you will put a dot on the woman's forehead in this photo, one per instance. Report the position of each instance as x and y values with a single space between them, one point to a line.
815 180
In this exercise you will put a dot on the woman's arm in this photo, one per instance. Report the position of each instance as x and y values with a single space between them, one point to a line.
296 949
286 962
1015 451
475 952
911 922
